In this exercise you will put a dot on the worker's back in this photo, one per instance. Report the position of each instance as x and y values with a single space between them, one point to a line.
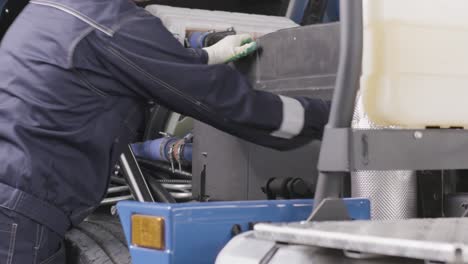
60 127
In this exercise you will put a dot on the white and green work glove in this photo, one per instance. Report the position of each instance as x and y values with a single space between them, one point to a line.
231 48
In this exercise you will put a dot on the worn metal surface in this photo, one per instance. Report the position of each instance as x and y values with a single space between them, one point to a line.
266 251
444 239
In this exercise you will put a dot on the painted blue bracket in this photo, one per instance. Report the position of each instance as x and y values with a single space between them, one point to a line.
196 232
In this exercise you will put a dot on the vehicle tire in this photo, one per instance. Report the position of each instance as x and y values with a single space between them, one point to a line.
97 242
113 228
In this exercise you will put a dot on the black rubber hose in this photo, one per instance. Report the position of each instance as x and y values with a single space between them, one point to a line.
160 194
163 167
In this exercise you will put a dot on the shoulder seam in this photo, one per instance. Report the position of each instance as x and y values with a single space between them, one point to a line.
109 32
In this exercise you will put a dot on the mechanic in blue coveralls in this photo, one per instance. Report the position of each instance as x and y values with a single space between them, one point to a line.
75 78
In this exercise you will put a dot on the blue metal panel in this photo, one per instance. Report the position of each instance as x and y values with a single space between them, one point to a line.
196 232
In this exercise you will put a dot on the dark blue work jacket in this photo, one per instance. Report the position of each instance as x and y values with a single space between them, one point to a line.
2 4
75 76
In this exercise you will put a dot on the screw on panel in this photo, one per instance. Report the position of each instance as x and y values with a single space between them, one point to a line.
113 210
459 256
418 135
236 230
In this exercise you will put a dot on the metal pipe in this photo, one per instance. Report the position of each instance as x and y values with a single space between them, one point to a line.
118 180
350 65
134 177
330 184
114 200
151 172
182 187
181 195
165 168
118 189
160 193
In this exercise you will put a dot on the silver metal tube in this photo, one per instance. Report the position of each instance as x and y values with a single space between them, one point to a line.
329 184
181 195
118 189
114 200
134 177
118 180
178 186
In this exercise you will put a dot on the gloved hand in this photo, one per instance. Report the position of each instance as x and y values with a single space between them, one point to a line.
230 49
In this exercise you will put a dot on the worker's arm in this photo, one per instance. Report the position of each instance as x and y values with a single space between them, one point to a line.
151 63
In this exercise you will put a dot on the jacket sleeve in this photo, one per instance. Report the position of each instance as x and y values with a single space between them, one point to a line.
145 57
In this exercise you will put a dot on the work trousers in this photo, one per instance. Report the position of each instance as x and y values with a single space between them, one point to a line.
24 241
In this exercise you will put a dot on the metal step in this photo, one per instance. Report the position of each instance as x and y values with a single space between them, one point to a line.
444 240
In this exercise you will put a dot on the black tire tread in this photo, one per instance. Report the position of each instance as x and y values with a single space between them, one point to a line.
115 249
112 227
81 249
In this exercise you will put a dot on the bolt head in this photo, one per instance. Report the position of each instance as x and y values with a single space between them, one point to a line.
418 135
113 210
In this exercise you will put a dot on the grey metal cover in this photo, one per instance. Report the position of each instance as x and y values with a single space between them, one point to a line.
444 239
237 170
300 61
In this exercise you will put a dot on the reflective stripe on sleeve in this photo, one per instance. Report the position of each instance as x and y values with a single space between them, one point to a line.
293 118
